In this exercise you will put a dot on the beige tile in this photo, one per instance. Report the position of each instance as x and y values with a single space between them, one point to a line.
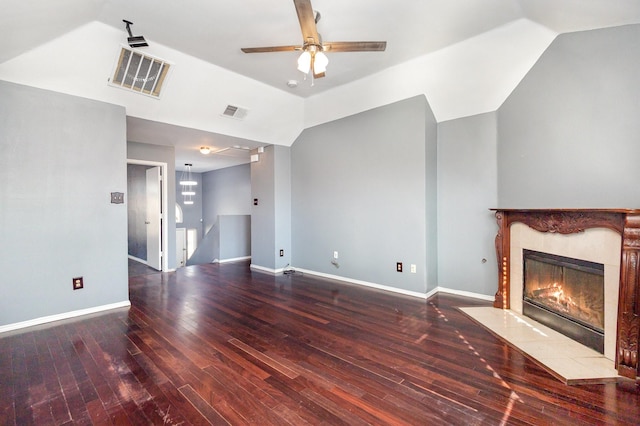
565 357
556 348
600 366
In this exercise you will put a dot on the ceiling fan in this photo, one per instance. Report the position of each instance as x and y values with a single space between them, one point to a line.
313 58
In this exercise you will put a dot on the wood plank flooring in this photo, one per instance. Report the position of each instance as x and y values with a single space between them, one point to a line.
219 344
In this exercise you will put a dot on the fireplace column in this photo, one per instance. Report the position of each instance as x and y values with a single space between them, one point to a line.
629 304
567 221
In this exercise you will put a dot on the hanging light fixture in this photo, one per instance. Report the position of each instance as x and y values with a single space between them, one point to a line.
188 184
312 59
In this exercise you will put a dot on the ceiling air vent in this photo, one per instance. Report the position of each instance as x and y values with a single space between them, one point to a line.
235 112
140 72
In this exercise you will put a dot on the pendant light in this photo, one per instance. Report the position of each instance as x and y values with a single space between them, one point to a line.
188 184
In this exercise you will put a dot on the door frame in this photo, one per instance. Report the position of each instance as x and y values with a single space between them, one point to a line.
181 240
164 188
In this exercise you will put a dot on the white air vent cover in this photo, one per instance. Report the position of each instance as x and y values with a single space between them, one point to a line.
140 72
236 112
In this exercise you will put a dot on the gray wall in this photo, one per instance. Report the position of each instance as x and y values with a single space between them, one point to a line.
234 236
137 210
282 206
467 188
226 211
61 157
568 136
161 154
270 224
226 192
359 187
431 197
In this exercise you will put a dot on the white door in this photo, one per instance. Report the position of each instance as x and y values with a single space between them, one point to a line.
154 219
181 247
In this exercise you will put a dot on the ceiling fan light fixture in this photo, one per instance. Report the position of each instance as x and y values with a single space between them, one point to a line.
312 58
320 63
304 62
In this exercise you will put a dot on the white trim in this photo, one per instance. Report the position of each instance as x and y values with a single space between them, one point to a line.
366 283
465 294
380 286
431 293
165 205
235 259
266 270
65 315
137 259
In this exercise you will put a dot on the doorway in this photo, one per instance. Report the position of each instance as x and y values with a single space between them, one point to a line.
151 224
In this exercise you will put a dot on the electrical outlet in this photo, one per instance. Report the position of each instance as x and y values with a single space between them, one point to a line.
399 266
117 197
335 254
78 283
413 268
281 253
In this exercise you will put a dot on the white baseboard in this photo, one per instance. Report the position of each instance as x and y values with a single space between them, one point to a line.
378 286
266 270
65 315
234 259
431 293
366 283
137 259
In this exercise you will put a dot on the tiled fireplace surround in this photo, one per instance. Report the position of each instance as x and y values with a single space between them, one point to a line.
607 236
599 245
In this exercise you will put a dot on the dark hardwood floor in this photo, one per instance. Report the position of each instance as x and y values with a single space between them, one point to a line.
137 268
218 344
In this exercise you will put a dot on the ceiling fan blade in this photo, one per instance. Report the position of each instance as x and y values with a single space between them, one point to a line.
270 49
354 46
307 21
320 75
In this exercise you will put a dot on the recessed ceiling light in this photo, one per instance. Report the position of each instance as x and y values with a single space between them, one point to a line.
292 84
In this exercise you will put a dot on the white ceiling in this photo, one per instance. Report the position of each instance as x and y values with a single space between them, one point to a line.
210 33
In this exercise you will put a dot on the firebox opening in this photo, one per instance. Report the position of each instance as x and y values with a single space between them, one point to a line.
565 294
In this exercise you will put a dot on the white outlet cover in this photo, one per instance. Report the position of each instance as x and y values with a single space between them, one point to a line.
335 254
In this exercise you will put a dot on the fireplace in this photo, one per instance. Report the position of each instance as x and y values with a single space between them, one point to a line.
565 294
625 330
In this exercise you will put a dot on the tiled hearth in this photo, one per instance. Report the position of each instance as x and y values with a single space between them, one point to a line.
562 357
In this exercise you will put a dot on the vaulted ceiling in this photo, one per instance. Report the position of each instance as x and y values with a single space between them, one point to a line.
466 56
